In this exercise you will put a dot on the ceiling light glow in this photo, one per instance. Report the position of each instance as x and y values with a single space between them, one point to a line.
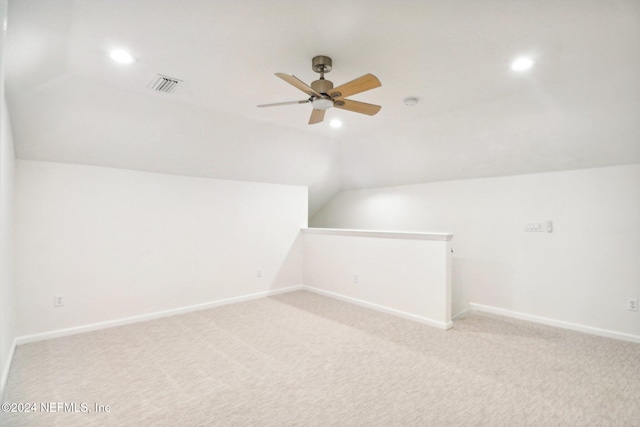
122 56
335 123
522 64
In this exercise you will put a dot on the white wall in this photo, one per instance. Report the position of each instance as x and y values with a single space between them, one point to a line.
408 274
581 273
7 164
7 283
117 243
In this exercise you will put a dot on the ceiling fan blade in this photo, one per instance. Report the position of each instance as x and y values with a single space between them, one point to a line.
361 84
294 81
316 116
358 107
284 103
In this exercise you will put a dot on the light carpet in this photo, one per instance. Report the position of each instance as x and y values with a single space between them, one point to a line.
301 359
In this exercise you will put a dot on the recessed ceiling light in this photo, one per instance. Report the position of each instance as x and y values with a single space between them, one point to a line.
335 123
122 56
521 64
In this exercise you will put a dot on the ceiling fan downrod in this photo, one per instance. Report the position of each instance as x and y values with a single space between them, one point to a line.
322 65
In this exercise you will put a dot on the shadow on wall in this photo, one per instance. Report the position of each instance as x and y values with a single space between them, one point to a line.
468 274
459 291
291 269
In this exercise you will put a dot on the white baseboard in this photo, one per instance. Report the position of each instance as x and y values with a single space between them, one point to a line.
165 313
172 312
409 316
6 368
149 316
557 323
461 314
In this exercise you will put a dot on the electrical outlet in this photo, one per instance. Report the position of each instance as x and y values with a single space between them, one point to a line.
58 301
259 273
355 278
632 304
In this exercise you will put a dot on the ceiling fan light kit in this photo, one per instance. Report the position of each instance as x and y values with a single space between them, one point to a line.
322 103
322 94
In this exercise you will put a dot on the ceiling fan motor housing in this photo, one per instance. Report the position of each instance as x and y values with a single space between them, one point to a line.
322 86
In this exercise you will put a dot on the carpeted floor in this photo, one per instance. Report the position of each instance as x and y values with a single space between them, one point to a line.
301 359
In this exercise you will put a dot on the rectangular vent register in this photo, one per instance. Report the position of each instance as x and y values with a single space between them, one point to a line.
164 84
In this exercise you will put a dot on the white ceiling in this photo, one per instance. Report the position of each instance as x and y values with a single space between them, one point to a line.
578 107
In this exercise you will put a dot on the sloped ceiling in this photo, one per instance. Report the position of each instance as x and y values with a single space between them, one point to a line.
578 107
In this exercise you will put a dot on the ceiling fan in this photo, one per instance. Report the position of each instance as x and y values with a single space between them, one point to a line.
322 94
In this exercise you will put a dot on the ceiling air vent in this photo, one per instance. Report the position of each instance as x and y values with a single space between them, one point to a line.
164 84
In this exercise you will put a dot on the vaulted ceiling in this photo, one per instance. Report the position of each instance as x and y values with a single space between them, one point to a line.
577 107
